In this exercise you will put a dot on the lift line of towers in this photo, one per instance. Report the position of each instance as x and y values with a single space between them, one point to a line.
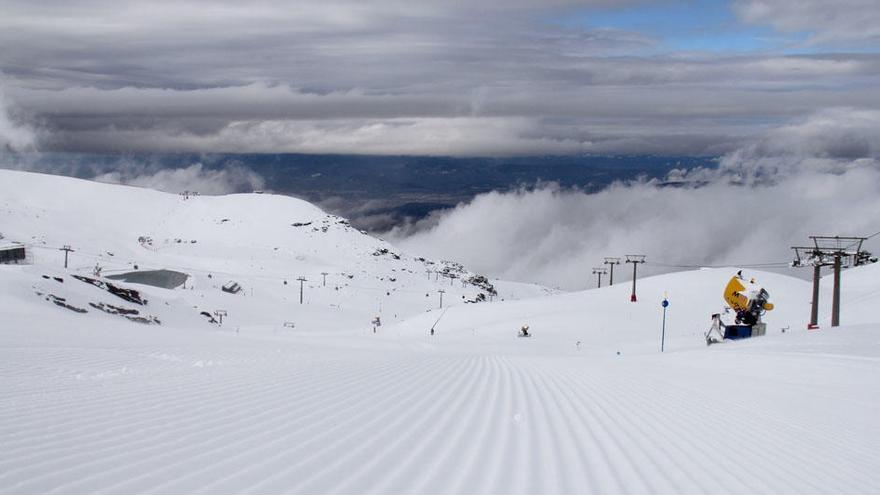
835 251
634 259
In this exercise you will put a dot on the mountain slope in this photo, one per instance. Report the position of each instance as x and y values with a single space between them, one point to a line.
264 243
97 403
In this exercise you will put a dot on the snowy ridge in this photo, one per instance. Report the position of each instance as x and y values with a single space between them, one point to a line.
605 320
95 403
262 242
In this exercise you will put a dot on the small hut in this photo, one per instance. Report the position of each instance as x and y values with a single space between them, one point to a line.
231 287
12 253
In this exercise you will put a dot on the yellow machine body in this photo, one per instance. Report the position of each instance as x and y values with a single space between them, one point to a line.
737 296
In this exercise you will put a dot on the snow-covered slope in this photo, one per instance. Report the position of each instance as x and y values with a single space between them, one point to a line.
860 289
605 319
97 403
264 243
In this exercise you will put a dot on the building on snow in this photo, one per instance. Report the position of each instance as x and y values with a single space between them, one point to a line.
12 253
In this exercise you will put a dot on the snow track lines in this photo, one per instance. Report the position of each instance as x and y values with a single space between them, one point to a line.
117 420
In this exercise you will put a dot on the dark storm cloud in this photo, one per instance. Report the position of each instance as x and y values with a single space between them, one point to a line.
487 77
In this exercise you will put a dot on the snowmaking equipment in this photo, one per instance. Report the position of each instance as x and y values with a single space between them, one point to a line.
749 301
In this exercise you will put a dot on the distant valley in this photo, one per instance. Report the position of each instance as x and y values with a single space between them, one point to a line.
379 192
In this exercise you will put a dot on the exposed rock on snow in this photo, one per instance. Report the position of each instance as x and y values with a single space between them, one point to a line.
130 295
62 302
129 314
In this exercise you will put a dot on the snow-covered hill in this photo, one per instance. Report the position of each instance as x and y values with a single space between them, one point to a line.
163 401
263 243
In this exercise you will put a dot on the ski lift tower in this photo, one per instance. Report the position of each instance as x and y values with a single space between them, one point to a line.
611 262
635 259
834 251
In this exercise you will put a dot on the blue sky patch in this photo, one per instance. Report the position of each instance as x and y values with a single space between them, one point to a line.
693 25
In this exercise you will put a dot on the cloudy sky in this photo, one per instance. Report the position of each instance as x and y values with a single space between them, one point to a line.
488 77
785 92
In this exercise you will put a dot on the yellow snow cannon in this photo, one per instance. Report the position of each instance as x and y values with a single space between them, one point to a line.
749 301
746 297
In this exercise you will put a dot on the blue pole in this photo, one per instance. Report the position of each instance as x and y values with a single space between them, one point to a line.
665 304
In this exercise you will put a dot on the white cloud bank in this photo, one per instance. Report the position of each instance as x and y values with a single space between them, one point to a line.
817 176
195 177
14 135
